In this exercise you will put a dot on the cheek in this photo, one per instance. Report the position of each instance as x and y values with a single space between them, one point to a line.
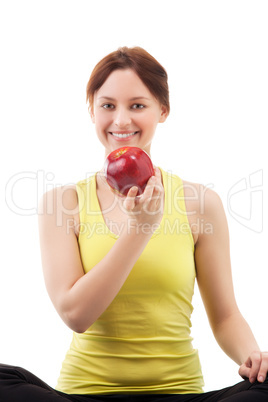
150 120
101 120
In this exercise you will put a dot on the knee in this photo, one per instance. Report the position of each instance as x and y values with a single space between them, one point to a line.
8 372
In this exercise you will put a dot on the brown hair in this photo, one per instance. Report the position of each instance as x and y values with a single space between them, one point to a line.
149 70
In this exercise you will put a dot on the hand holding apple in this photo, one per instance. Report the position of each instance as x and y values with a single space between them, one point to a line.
146 211
129 172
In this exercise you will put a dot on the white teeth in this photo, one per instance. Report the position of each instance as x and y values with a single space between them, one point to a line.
123 135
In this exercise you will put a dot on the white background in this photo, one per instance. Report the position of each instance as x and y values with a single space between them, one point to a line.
215 53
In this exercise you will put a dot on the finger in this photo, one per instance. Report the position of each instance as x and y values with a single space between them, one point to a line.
158 188
149 189
129 202
157 172
262 374
255 366
155 204
244 372
153 199
158 176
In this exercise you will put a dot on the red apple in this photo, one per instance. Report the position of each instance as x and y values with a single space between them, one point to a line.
126 167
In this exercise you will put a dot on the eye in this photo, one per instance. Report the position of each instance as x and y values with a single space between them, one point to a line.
107 106
138 106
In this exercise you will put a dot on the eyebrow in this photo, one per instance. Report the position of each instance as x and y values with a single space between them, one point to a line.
132 99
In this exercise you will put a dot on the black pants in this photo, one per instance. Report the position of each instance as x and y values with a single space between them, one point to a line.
19 385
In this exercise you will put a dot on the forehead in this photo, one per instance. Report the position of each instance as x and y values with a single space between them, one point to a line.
123 84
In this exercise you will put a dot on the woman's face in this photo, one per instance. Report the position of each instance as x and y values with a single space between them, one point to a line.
125 112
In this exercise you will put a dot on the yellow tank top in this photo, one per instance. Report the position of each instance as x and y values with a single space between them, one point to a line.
141 343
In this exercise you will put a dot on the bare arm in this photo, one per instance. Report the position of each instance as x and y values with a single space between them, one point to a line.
81 298
212 256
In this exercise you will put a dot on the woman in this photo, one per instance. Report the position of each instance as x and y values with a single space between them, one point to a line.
120 271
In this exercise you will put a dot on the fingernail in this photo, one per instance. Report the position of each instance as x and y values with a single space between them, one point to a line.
251 379
260 378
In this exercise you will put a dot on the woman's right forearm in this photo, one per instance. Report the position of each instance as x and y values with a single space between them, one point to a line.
90 296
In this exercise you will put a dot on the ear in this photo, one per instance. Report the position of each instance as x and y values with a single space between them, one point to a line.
92 115
164 114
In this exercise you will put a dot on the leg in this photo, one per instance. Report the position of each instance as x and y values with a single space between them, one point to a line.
244 391
257 392
19 385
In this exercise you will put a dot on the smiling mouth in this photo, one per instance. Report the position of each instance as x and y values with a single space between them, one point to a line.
126 135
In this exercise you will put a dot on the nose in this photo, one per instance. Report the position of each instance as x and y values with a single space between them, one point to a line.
122 118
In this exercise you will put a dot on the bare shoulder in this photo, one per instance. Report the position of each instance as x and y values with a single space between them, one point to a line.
202 205
63 197
200 198
60 204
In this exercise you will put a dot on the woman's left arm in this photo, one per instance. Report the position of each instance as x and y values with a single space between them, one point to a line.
214 277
